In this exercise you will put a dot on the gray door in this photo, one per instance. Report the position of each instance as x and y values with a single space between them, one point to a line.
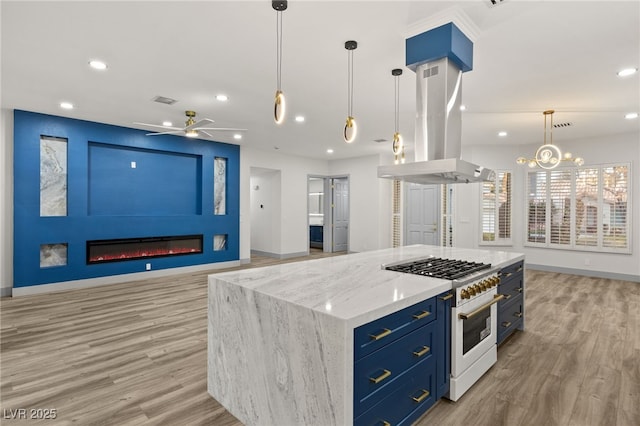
340 213
422 215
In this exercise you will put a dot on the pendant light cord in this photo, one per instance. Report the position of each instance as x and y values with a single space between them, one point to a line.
350 83
279 49
397 102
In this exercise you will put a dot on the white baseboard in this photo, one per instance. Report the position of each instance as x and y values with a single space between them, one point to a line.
596 274
279 255
117 279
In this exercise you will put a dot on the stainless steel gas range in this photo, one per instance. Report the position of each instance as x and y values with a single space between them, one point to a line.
473 316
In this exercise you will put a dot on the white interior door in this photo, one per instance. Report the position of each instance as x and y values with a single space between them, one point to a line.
422 214
340 213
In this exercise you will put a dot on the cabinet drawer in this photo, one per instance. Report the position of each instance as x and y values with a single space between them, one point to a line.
387 369
506 272
509 317
511 289
374 335
404 405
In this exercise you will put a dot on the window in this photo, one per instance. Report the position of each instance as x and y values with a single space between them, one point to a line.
580 209
496 210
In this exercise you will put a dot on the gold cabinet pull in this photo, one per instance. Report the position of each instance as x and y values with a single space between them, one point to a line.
422 351
424 314
385 332
384 375
506 324
519 290
496 299
508 274
447 297
519 269
517 314
385 423
507 296
425 393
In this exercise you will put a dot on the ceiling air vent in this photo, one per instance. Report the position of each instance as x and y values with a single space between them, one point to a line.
164 100
560 125
495 2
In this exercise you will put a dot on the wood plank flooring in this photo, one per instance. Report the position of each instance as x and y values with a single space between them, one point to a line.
135 354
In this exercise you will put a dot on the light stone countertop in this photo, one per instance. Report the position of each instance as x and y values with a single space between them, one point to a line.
354 288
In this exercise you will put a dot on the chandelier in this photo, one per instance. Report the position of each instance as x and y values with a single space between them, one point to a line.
548 156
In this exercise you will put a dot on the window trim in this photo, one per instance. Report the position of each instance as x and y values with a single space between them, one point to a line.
599 247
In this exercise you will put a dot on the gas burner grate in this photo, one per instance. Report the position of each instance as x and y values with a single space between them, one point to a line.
449 269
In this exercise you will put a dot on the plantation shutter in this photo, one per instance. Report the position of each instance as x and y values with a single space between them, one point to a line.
615 182
496 209
537 207
560 206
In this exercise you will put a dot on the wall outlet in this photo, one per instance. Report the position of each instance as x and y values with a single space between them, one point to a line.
133 165
148 266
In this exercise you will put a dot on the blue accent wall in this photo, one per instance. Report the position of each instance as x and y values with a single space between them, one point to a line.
169 192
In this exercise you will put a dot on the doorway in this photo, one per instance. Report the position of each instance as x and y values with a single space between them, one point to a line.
328 213
422 214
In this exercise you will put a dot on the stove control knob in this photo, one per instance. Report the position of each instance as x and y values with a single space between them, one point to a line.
464 294
472 291
477 289
485 285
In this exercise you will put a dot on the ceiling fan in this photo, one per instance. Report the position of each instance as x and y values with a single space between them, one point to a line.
192 128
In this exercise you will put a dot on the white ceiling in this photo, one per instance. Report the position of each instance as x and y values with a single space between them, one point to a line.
528 56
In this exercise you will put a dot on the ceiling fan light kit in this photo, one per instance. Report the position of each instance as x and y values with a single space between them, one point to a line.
279 105
350 128
548 156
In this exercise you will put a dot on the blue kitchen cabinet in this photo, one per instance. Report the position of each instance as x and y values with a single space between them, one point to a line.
402 363
316 236
511 307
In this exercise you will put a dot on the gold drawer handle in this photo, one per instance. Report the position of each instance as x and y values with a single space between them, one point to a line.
508 274
385 423
447 297
424 314
518 314
425 393
384 333
507 296
519 269
519 290
422 351
506 324
381 377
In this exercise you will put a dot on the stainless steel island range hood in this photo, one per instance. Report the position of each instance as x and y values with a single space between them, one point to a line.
439 57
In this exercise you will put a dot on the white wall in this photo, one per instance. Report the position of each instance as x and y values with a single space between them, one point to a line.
265 202
6 202
615 149
294 172
369 202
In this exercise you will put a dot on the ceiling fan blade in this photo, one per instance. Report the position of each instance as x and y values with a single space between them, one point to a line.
206 133
223 129
199 124
173 132
159 126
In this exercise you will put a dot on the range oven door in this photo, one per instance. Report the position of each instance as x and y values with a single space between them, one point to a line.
473 331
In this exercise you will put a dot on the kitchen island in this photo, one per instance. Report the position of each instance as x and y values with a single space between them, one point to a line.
281 338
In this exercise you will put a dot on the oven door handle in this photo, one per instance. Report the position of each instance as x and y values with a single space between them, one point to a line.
496 299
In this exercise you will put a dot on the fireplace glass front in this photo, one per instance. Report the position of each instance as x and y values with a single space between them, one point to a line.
100 251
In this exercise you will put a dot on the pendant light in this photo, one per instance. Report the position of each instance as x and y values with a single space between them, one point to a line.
398 144
279 106
548 156
350 127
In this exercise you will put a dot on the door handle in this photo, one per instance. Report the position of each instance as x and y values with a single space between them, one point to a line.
496 299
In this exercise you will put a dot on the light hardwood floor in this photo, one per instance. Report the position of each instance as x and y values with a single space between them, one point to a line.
135 354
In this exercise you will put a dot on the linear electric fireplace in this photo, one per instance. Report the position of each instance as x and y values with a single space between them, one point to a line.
100 251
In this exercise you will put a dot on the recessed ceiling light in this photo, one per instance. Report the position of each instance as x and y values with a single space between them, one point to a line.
299 118
98 65
631 115
329 151
463 108
167 123
502 134
627 71
237 136
222 98
66 105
